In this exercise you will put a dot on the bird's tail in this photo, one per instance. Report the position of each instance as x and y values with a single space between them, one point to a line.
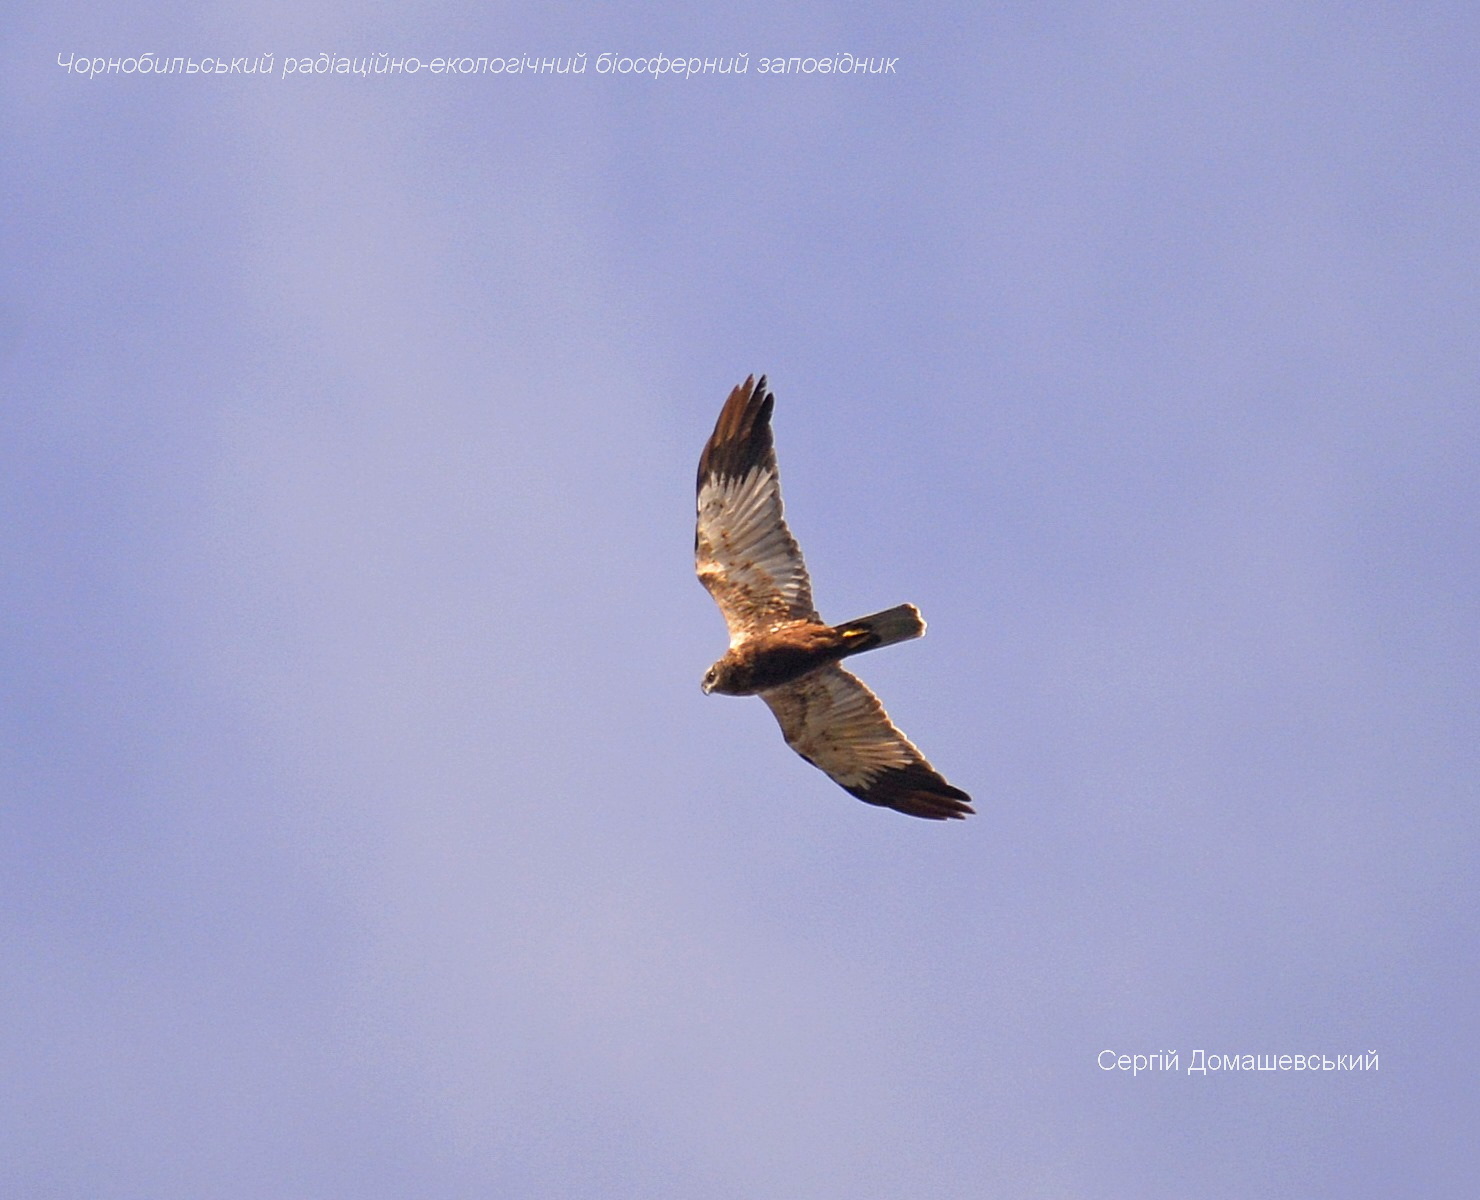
897 624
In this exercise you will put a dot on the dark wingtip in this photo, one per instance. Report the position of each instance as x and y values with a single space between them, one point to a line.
742 434
947 804
917 791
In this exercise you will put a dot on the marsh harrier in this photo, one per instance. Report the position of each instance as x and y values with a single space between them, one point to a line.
780 648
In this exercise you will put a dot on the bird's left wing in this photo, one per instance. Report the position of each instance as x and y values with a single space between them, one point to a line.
743 552
833 721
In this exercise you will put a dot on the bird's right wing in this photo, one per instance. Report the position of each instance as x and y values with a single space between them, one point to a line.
833 721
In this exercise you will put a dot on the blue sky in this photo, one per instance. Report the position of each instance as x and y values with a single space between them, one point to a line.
363 830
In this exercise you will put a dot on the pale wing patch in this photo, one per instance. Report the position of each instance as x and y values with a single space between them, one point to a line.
832 719
745 555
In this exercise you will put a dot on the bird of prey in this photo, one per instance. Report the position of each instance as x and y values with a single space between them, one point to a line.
780 648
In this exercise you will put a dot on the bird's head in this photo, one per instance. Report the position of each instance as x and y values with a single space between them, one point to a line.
711 679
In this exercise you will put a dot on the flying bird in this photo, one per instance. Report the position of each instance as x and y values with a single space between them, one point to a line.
780 648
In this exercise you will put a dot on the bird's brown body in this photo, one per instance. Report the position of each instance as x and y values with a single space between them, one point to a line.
785 654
